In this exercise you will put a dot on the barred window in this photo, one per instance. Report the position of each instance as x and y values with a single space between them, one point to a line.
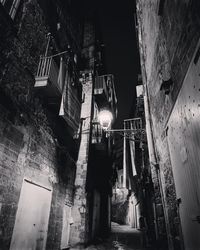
10 6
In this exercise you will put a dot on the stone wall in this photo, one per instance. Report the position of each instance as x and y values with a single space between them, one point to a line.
29 147
120 206
80 228
169 36
31 154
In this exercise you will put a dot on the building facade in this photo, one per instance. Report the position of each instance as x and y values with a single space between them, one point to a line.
142 198
40 103
93 186
133 199
168 35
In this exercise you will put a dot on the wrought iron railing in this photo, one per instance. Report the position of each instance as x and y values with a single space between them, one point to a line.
59 83
104 91
47 70
134 129
97 132
101 86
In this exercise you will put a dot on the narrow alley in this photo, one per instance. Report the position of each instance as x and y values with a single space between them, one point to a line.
100 124
122 237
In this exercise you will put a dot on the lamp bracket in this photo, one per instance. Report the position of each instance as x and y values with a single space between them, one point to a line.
130 134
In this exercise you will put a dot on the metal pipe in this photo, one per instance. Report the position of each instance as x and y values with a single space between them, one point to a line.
58 54
48 42
124 130
124 162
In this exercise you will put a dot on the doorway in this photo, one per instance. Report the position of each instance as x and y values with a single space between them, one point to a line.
31 224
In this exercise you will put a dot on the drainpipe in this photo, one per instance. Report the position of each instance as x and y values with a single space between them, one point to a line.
124 161
150 144
155 166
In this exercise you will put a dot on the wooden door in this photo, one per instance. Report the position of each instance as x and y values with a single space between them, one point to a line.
31 224
184 147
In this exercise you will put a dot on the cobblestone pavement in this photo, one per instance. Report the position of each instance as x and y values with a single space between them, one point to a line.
122 238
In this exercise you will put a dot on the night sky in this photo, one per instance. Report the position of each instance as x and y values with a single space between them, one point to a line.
116 19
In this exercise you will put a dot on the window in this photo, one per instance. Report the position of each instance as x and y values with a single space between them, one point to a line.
11 6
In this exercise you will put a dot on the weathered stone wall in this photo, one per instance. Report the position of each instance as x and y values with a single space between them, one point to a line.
169 37
80 228
31 154
89 45
28 145
120 206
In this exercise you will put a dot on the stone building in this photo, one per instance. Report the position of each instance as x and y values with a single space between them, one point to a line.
168 35
40 104
141 204
93 186
133 201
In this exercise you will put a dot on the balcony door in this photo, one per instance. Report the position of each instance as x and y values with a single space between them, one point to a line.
31 224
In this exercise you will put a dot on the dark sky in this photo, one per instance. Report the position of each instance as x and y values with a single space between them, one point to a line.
118 31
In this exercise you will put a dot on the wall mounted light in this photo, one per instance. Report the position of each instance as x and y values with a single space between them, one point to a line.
105 118
135 132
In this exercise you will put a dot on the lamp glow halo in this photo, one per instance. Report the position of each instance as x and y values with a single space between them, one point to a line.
105 119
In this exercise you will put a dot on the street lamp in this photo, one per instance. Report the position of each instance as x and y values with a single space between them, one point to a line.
132 127
133 131
105 119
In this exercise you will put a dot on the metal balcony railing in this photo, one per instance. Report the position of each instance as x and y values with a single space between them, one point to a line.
134 123
101 86
104 91
57 86
97 133
135 129
47 74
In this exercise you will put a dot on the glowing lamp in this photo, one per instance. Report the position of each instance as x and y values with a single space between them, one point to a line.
105 118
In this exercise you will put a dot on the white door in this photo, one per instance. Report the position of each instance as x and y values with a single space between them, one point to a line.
31 224
67 221
184 147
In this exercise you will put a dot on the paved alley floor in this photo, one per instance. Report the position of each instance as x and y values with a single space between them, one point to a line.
122 238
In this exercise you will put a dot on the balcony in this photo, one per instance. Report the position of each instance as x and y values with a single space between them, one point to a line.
104 92
97 133
138 132
47 77
60 89
101 89
99 140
